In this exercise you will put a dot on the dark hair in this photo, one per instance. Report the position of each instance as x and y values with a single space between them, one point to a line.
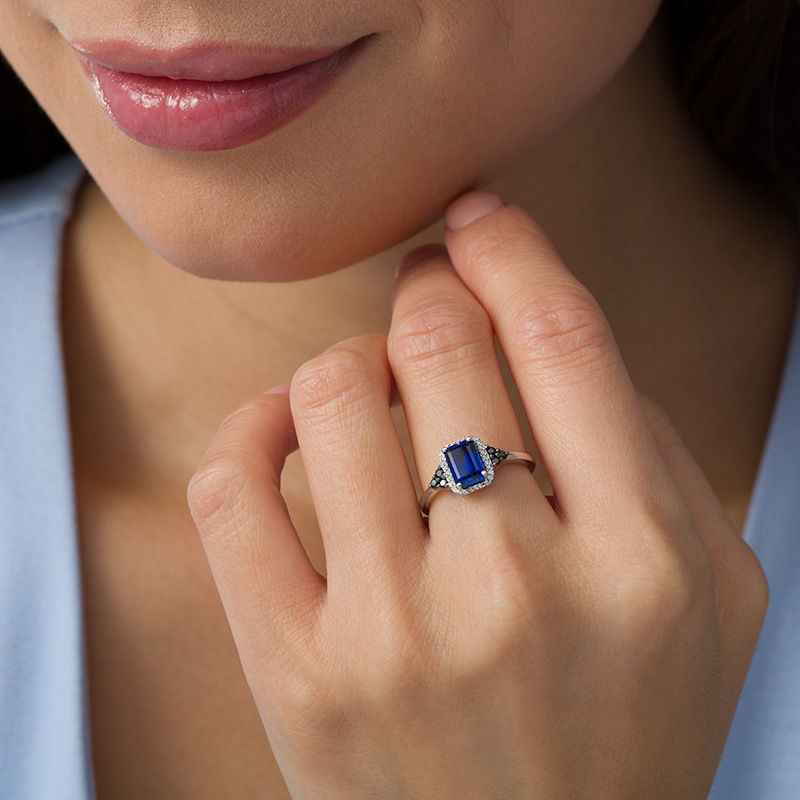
738 69
27 137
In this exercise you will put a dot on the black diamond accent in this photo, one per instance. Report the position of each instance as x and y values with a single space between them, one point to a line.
438 480
497 456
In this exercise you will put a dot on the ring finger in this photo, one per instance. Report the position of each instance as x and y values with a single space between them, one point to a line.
442 353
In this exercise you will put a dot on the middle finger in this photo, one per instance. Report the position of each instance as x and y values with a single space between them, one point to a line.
582 406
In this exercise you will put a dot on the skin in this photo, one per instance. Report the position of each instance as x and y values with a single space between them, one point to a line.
559 111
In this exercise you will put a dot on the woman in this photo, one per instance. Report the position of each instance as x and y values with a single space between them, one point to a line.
585 632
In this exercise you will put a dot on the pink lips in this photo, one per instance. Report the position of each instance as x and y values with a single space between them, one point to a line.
207 97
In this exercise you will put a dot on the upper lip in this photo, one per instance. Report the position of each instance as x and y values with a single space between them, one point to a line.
203 61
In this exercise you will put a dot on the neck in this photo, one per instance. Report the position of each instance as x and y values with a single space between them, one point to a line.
694 266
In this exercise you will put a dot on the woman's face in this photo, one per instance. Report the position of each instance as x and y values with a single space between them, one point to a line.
443 95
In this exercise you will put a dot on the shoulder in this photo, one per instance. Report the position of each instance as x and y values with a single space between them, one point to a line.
44 194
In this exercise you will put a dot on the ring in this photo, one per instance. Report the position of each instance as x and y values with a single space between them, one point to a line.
466 466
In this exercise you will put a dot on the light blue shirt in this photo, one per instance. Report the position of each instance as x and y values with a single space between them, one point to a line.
45 745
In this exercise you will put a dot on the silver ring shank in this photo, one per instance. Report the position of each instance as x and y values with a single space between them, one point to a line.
426 498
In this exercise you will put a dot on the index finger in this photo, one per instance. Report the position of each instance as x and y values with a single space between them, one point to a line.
580 402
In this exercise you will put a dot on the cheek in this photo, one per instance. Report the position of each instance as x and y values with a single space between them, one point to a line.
445 97
504 75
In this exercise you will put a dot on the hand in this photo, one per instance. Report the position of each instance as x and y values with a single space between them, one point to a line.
511 648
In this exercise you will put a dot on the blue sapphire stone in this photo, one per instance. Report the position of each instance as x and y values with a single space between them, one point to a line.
465 463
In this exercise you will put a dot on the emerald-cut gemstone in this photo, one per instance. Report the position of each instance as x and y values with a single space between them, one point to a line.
466 464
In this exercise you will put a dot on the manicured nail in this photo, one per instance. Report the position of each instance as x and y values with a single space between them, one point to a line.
282 389
418 253
470 206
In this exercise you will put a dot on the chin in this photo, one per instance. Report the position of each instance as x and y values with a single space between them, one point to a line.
253 256
249 260
265 236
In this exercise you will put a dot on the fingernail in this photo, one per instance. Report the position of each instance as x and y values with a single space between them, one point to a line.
469 207
418 254
282 389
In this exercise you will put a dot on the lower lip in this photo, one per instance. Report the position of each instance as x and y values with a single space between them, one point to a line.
211 115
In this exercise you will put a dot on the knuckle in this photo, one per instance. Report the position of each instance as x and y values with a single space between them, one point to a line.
310 704
508 580
392 676
654 413
396 637
660 424
750 585
302 693
757 586
338 379
512 603
757 593
438 335
561 329
665 574
660 589
217 489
